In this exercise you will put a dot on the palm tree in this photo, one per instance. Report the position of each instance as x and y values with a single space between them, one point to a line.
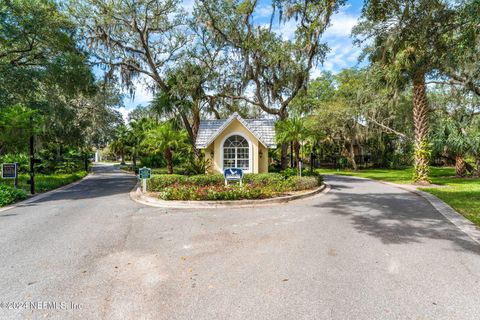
292 130
136 135
473 136
408 40
450 137
121 142
163 138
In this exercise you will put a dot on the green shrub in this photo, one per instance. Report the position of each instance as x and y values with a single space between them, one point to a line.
176 170
158 182
206 179
220 192
263 178
10 195
296 183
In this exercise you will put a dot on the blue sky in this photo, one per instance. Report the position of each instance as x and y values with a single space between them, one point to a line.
343 53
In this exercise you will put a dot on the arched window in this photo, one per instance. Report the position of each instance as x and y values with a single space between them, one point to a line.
236 153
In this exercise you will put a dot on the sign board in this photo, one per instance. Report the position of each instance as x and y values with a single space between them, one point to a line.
9 170
144 173
233 174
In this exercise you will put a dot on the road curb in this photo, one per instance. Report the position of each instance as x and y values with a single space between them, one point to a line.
46 193
465 225
137 195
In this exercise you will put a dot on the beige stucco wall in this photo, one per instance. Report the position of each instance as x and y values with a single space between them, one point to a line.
257 164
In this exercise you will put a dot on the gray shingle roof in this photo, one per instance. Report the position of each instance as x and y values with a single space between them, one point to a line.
262 129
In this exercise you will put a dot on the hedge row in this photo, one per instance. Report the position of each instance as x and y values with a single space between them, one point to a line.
211 187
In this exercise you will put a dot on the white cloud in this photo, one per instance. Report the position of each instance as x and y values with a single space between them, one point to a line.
124 111
343 53
263 11
187 5
143 95
341 24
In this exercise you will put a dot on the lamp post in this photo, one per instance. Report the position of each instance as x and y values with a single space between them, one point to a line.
32 159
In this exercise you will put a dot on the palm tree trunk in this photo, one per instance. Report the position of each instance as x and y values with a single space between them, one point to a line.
460 166
134 160
420 119
169 159
122 154
292 165
478 166
283 156
296 147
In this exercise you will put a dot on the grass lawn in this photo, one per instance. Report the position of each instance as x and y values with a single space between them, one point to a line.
461 194
45 182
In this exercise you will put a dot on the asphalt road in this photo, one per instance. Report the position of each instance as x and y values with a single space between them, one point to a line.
362 251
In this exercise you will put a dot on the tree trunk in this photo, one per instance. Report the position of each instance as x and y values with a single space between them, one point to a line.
169 159
478 166
283 156
352 156
122 155
296 148
460 166
420 119
192 131
292 153
134 160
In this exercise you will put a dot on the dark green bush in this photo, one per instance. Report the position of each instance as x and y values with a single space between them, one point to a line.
10 195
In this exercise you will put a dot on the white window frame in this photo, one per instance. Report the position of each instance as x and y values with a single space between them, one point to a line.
250 153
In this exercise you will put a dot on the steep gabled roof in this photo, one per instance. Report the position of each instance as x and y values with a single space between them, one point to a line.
262 129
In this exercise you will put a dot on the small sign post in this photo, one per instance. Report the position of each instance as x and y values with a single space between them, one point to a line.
144 174
10 171
233 174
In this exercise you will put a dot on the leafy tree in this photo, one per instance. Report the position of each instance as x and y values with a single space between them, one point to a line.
262 62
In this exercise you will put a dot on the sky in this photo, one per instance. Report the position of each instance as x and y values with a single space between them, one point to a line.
342 54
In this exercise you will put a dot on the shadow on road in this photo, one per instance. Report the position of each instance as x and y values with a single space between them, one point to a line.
394 218
106 181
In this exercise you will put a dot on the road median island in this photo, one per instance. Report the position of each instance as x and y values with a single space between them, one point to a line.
149 199
212 190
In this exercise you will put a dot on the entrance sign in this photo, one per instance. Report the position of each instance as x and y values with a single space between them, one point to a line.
144 174
9 170
233 174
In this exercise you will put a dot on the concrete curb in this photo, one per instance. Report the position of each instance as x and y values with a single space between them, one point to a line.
465 225
44 194
137 195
